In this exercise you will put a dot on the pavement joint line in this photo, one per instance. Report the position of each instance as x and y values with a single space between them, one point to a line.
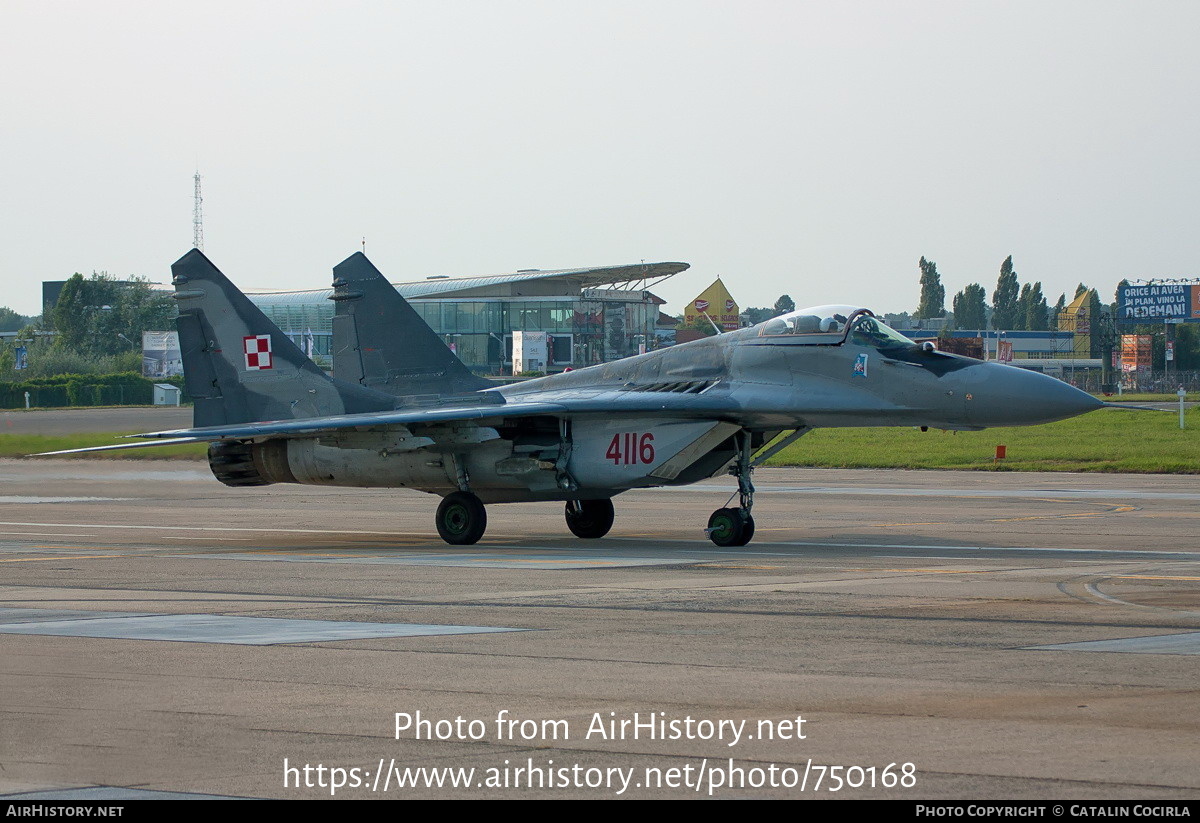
958 557
899 491
209 528
184 537
831 544
1110 510
61 557
96 548
934 571
1091 589
45 534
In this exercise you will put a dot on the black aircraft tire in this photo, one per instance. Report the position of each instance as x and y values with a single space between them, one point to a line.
747 527
594 518
461 519
728 527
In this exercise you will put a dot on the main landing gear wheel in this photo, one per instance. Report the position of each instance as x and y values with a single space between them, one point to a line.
730 527
461 518
589 518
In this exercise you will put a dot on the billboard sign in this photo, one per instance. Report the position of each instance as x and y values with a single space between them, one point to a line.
161 356
531 352
709 304
1159 302
1137 352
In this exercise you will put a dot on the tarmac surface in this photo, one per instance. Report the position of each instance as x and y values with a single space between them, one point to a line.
1010 635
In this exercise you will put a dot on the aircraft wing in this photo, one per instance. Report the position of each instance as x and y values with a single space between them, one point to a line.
399 417
560 404
556 404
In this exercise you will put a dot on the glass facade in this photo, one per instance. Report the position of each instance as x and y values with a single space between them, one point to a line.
480 329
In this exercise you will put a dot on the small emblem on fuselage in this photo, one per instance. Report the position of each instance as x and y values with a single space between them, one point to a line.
258 352
860 366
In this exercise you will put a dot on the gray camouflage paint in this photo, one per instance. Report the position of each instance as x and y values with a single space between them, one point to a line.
416 417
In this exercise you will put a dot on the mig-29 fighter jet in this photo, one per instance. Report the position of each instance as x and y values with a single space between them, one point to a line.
403 411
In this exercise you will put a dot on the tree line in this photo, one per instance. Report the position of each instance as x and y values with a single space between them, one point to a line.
1014 307
96 326
1017 307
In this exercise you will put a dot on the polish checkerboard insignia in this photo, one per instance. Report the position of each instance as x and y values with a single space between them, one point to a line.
258 352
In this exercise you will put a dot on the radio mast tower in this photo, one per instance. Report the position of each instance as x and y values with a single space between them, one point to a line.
198 217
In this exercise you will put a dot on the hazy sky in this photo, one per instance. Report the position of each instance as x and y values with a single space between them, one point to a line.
813 148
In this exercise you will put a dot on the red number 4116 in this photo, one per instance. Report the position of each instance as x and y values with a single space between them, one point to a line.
629 448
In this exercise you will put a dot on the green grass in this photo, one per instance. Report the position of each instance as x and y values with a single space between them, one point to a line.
20 445
36 409
1109 440
1133 397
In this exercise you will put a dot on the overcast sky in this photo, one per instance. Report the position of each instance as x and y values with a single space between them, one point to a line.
813 148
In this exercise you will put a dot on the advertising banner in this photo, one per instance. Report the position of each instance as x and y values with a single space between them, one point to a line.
161 356
1159 302
717 303
1136 352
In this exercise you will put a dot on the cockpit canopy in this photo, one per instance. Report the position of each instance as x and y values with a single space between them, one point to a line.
815 320
833 325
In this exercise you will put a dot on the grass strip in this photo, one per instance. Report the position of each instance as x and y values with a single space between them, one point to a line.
21 445
1109 440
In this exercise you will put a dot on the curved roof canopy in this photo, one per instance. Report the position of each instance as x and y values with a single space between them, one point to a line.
637 275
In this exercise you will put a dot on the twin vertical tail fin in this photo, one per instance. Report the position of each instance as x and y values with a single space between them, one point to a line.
239 367
380 341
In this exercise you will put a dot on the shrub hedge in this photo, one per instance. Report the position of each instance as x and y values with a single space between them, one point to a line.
123 389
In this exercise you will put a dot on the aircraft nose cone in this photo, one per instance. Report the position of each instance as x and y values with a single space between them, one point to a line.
1012 396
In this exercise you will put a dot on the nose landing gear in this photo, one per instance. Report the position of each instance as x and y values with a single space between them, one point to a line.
730 527
735 526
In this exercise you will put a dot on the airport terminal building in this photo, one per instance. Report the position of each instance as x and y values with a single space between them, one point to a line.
591 315
1057 353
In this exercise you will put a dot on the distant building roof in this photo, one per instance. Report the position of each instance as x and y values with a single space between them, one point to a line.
443 286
